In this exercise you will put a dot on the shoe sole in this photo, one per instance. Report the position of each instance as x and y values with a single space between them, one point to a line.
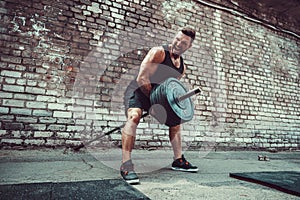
184 170
132 182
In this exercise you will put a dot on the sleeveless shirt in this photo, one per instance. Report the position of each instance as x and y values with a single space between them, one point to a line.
167 69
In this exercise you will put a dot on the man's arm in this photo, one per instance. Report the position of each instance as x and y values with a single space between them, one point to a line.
149 65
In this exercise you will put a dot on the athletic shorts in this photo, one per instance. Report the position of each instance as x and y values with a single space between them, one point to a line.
135 98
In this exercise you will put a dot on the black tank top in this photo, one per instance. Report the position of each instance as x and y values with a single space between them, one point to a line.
167 69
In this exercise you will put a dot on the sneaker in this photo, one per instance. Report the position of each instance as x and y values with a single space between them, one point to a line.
128 174
181 164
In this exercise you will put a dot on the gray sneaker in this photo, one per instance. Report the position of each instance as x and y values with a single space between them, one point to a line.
128 174
181 164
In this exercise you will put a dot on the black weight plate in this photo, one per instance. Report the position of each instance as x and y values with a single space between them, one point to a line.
183 109
166 94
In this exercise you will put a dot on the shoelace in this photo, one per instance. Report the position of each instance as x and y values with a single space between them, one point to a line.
184 160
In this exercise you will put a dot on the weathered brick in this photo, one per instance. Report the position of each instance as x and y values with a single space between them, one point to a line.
20 111
62 114
95 8
34 104
35 127
55 142
56 106
11 59
11 81
47 120
43 134
65 100
12 141
56 127
14 126
15 74
13 88
42 113
73 142
45 98
24 96
75 128
4 110
63 135
35 90
6 95
3 132
34 142
27 119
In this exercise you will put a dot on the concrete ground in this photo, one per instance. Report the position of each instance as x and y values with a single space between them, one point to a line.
157 180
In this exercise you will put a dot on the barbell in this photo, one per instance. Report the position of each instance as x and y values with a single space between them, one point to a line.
170 105
174 106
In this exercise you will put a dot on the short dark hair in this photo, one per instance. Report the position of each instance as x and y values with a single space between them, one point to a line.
189 32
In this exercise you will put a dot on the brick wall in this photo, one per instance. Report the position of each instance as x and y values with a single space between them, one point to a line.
65 65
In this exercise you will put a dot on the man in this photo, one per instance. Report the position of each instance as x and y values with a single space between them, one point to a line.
159 64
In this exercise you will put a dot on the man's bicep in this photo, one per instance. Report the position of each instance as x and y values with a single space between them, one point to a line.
154 57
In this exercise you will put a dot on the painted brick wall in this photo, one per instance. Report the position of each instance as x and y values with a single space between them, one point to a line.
65 65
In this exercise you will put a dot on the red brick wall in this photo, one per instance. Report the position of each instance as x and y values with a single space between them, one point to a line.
65 65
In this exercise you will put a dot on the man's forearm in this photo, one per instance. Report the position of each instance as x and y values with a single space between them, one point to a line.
145 85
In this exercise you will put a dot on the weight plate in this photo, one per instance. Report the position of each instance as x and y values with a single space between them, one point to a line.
183 109
166 94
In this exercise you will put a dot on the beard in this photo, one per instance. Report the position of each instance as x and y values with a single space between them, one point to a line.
175 55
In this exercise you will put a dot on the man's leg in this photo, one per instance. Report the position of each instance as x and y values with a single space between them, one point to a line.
128 139
180 163
129 132
175 139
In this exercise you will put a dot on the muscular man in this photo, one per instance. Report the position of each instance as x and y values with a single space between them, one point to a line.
159 64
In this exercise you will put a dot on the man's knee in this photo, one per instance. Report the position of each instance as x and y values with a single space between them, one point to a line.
134 115
174 129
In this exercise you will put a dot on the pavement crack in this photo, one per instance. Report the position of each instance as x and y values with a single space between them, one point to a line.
85 162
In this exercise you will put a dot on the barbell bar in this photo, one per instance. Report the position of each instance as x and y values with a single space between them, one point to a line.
189 94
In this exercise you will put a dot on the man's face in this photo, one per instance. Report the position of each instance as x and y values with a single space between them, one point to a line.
180 44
